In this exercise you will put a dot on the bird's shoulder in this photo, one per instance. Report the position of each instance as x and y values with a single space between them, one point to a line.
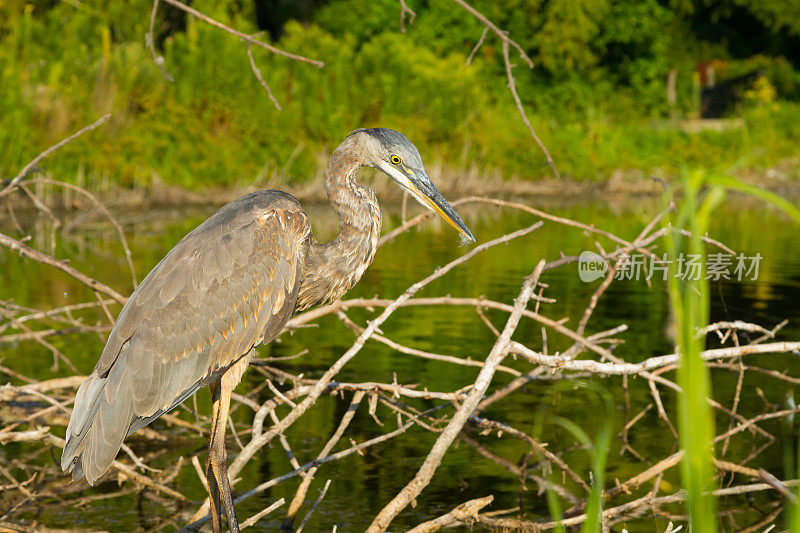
259 207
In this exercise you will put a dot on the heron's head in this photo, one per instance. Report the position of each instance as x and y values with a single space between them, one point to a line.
393 154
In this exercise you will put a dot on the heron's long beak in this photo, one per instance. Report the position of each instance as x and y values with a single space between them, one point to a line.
427 194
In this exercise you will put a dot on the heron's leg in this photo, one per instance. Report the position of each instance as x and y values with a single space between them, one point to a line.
218 456
213 489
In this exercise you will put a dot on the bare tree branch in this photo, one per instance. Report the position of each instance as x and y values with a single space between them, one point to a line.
27 168
404 10
243 36
151 43
260 79
446 438
26 251
512 86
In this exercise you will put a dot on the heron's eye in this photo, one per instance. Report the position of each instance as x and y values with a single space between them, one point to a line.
395 160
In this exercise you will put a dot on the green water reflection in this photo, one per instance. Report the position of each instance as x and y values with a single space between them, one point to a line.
362 485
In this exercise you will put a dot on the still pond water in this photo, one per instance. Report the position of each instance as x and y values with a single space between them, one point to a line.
361 485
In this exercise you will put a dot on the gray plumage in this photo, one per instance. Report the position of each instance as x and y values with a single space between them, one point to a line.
203 307
229 285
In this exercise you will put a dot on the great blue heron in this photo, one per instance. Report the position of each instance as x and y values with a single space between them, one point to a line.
229 285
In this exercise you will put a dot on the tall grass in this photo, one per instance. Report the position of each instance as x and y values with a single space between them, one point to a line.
689 300
701 193
697 195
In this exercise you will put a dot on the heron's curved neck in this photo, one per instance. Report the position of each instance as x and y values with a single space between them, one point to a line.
355 205
331 269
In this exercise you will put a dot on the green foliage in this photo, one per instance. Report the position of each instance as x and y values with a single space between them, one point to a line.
777 70
777 14
566 36
690 303
595 97
634 43
702 193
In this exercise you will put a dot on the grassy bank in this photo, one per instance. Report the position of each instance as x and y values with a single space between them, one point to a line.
215 126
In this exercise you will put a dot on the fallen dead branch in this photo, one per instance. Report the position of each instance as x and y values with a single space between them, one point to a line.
27 252
34 411
465 513
454 427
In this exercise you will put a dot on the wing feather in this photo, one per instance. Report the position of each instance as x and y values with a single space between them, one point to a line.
227 286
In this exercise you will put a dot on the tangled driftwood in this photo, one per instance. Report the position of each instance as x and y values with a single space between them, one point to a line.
457 415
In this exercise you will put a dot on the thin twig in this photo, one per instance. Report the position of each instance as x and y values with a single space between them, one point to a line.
404 10
477 45
261 514
247 38
260 78
26 251
497 31
512 86
446 438
313 507
27 168
300 494
151 43
111 218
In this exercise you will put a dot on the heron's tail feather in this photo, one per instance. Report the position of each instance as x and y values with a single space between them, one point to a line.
100 420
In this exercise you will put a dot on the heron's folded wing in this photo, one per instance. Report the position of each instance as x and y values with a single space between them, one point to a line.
212 298
201 309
